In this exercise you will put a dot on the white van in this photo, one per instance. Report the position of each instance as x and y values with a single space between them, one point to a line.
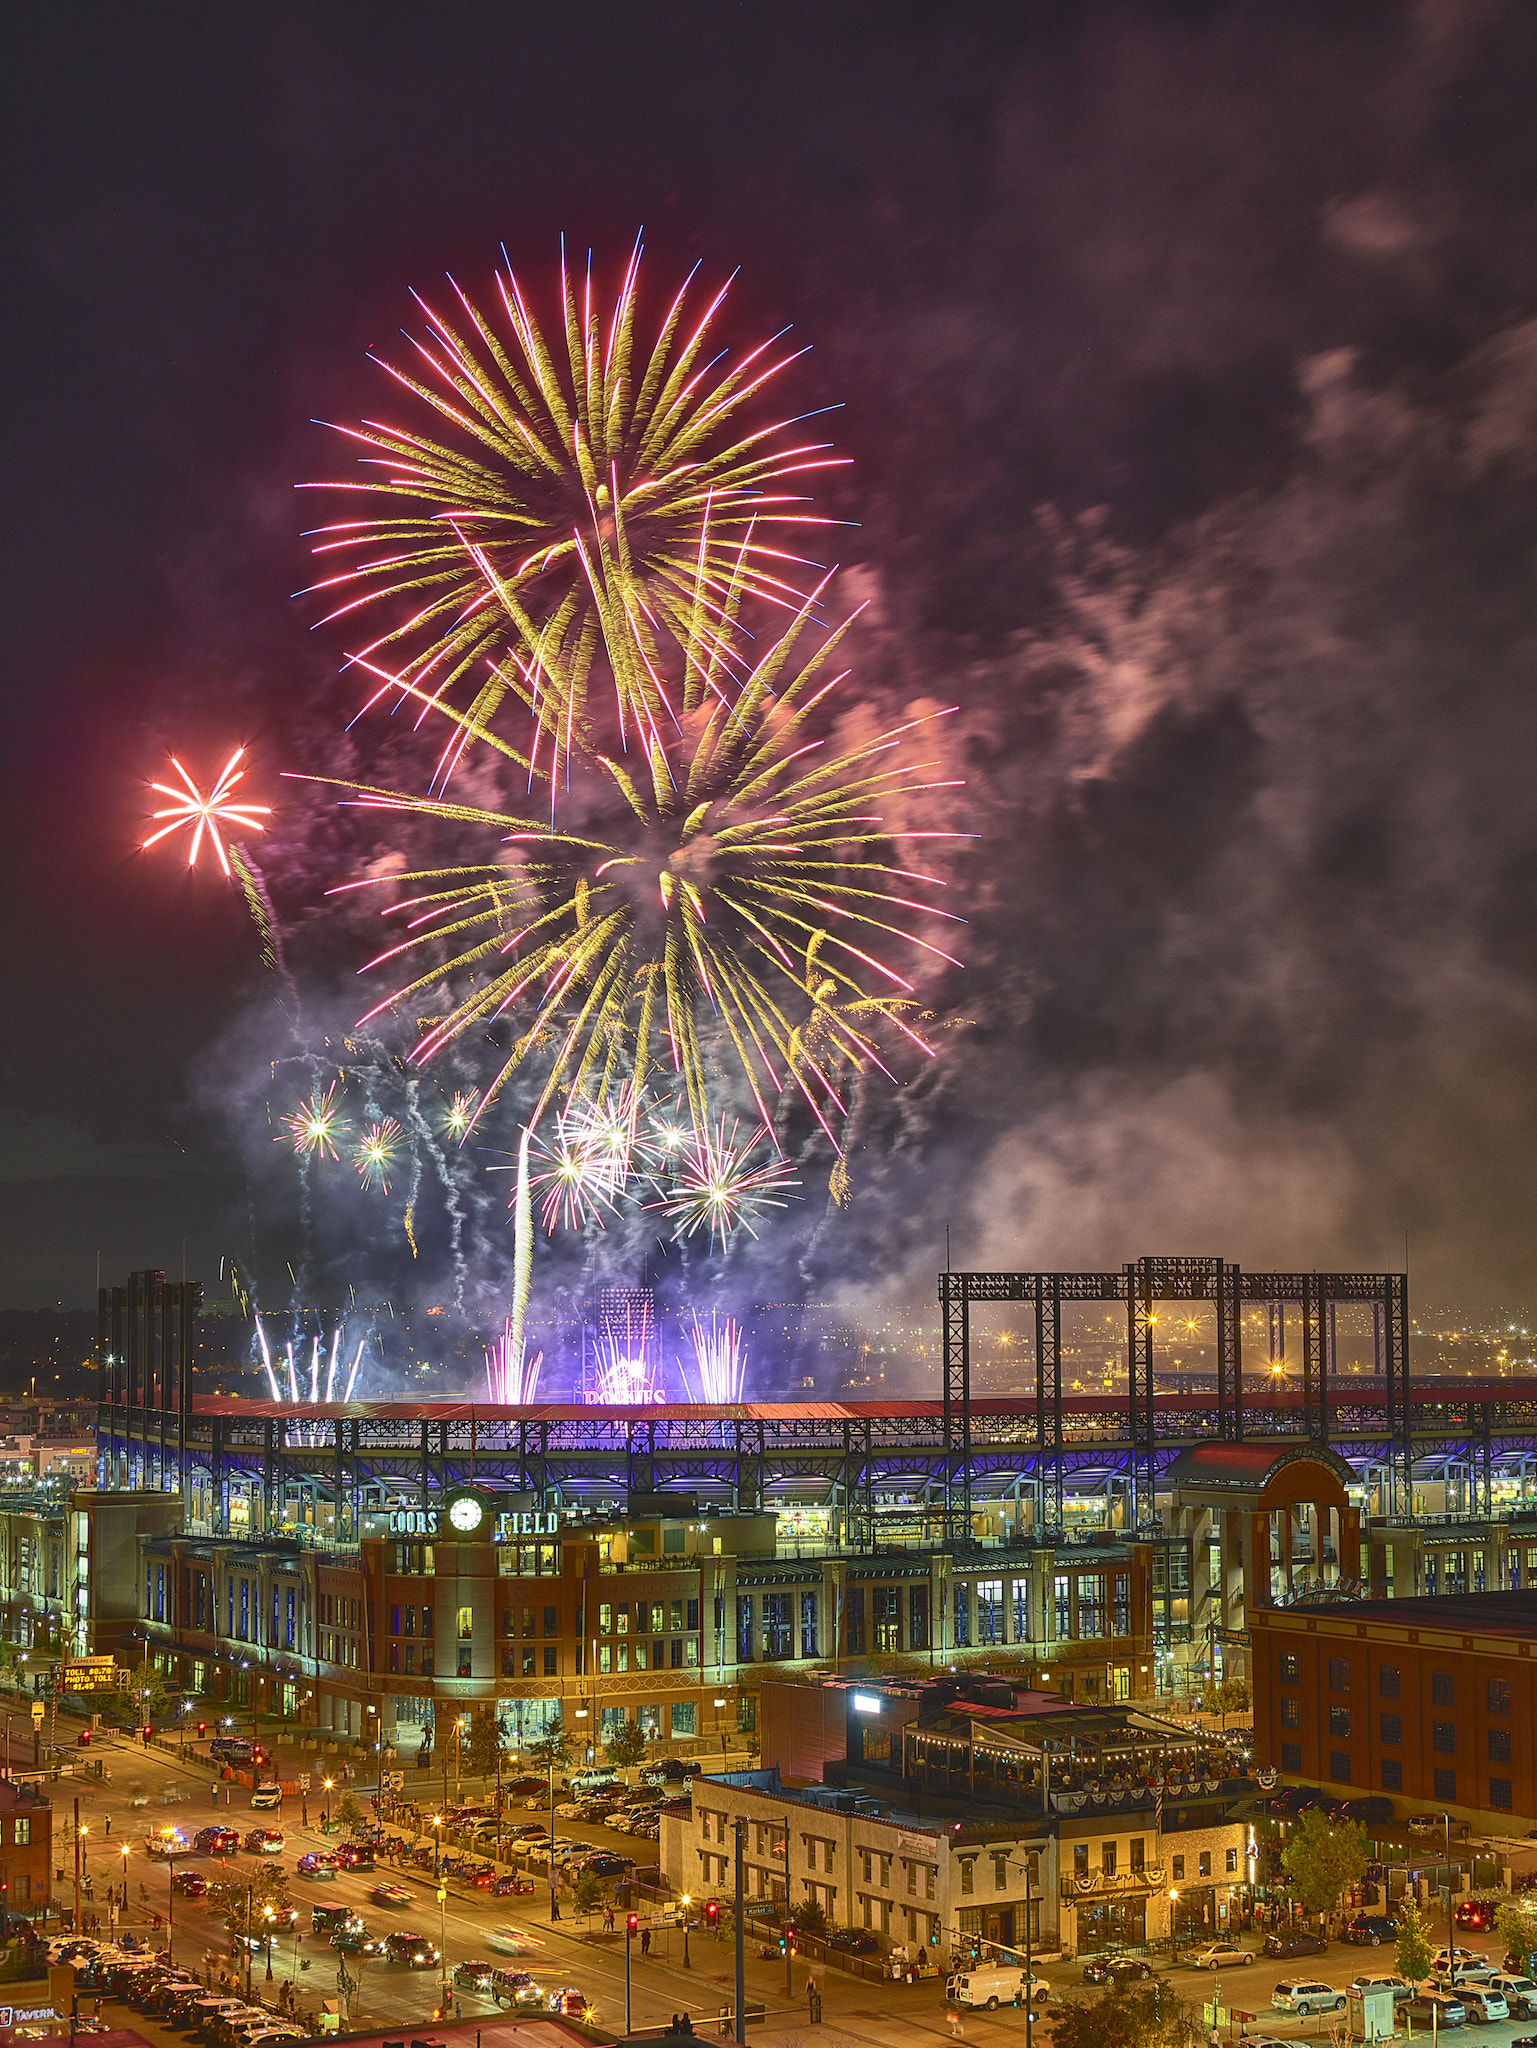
991 1986
589 1781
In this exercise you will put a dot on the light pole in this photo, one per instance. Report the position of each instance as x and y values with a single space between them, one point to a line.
1173 1911
170 1899
789 1917
124 1913
269 1916
443 1984
629 1930
684 1903
329 1783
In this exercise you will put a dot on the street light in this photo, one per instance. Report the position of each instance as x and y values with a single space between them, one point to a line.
269 1916
685 1930
329 1783
1173 1909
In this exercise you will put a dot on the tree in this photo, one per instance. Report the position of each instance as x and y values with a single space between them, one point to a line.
1414 1940
1516 1926
550 1751
1149 2016
247 1906
590 1892
349 1813
1324 1856
485 1747
626 1747
808 1918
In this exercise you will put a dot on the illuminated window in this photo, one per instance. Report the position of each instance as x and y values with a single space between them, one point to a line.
464 1629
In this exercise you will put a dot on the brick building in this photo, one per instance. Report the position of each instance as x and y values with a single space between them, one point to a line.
1432 1701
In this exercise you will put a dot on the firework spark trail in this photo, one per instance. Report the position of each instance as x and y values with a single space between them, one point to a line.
546 495
512 1377
751 845
293 1384
353 1374
719 1358
272 1378
207 816
719 1189
522 1246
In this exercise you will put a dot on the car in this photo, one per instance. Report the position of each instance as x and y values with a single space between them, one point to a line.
1373 1980
511 1887
1221 1955
267 1796
511 1941
567 2002
475 1976
1483 2003
216 1841
854 1941
190 1883
531 1831
572 1809
167 1842
354 1856
1375 1810
1371 1930
1469 1965
1295 1942
265 1841
391 1895
1437 2008
483 1878
517 1988
328 1919
352 1941
1477 1915
1305 1995
414 1950
1518 1991
315 1863
1427 1823
1115 1969
232 1749
610 1866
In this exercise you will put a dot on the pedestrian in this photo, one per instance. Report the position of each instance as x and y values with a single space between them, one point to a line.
645 1941
215 1796
304 1813
458 2014
675 2028
109 1827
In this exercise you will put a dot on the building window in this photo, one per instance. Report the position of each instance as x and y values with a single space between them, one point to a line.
1499 1745
809 1625
549 1661
465 1661
1080 1859
1136 1852
1291 1711
465 1621
746 1713
1441 1694
1091 1621
744 1634
1232 1861
968 1867
1339 1766
683 1717
1388 1681
1391 1729
1062 1601
1499 1794
1178 1864
1339 1674
1445 1784
1497 1693
1203 1867
24 1828
509 1662
1289 1670
1291 1756
1392 1774
1107 1859
917 1618
1443 1737
778 1630
962 1636
1339 1721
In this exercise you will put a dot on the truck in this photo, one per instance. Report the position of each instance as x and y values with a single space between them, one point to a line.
992 1985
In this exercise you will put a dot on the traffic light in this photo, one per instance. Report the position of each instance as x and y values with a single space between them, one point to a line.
632 1921
202 1729
787 1941
934 1935
148 1732
85 1738
711 1914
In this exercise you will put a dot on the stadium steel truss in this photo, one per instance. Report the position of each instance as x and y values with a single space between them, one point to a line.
938 1459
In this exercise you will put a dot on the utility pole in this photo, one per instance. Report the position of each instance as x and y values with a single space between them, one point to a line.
77 1865
739 1826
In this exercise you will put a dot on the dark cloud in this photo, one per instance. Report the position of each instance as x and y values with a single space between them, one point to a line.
1243 295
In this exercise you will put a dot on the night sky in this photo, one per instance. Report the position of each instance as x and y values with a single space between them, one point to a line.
1187 359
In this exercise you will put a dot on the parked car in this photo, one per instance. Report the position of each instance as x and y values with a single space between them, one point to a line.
610 1866
477 1976
1438 2008
1371 1930
232 1749
1470 1966
1222 1955
414 1950
1375 1810
1305 1995
854 1941
1483 2003
1427 1823
1477 1915
391 1895
1295 1942
1518 1991
1380 1981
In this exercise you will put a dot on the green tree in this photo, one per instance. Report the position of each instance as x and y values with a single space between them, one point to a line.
809 1918
1414 1941
590 1892
246 1909
550 1751
349 1813
1147 2016
1324 1856
484 1747
1516 1926
626 1747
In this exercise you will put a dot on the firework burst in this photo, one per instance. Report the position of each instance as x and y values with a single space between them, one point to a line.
541 490
460 1113
316 1128
512 1377
209 816
375 1152
746 835
719 1359
723 1184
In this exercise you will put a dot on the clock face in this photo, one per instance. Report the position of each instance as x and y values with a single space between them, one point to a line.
466 1514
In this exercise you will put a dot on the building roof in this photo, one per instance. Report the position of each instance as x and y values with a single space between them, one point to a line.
1490 1614
1249 1467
